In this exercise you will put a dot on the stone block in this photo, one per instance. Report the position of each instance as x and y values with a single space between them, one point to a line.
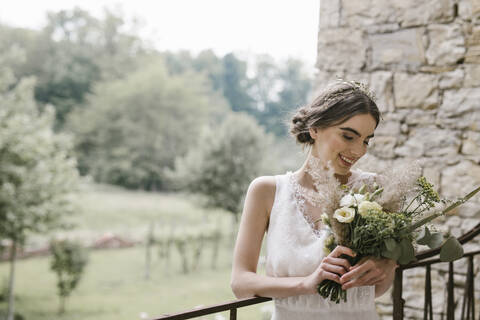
382 84
471 143
433 176
454 222
403 48
468 224
415 13
383 147
367 13
387 128
452 79
446 44
466 121
341 49
473 46
460 179
430 142
329 14
472 75
421 117
415 90
469 10
458 102
407 13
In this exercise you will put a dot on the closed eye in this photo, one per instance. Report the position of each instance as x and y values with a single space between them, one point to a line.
347 137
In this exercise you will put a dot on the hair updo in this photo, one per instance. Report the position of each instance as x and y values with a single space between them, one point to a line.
336 104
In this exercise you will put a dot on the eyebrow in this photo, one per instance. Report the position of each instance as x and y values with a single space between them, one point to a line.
355 132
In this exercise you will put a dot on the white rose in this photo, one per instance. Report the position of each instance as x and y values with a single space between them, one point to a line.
344 215
366 206
351 200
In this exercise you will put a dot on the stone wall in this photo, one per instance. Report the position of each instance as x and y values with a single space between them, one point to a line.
422 58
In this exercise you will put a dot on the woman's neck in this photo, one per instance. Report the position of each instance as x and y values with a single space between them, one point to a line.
313 163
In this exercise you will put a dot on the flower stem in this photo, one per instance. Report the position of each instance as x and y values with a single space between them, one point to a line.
438 214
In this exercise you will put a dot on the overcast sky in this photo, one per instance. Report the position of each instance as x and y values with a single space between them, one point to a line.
281 28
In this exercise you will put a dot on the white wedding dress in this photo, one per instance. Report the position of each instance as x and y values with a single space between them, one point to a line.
295 248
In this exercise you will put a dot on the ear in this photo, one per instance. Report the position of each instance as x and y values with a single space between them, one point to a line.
313 132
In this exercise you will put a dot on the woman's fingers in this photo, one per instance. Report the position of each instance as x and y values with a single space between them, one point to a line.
340 270
326 275
367 273
339 250
338 261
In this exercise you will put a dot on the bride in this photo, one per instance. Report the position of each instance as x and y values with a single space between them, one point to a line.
337 128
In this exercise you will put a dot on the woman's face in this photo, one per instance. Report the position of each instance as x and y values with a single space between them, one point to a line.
345 143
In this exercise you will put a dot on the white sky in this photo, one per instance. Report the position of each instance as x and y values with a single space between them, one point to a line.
281 28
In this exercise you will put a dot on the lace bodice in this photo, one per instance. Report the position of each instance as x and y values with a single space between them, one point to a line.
295 248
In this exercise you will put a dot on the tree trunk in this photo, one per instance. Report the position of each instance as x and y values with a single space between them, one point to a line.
61 310
148 249
11 298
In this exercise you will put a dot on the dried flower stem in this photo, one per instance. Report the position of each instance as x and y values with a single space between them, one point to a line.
438 214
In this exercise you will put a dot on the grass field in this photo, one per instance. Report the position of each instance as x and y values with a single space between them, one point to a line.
114 286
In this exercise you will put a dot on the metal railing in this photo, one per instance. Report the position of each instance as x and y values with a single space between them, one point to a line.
231 306
468 305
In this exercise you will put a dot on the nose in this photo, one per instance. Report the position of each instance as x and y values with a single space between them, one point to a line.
358 150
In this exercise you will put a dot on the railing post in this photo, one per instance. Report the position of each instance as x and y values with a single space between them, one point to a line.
450 297
468 306
233 314
397 295
428 308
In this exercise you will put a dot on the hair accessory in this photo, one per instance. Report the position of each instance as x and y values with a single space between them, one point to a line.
341 89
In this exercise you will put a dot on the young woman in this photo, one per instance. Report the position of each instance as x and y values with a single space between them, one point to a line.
337 127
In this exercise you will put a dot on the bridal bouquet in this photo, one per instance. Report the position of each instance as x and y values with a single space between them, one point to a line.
372 221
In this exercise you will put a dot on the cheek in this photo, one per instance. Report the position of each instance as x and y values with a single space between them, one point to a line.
333 148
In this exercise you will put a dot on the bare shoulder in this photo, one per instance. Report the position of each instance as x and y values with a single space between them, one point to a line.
262 192
264 184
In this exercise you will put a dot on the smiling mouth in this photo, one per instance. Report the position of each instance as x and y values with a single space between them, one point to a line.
348 161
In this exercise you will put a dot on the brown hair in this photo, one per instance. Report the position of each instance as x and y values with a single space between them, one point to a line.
338 103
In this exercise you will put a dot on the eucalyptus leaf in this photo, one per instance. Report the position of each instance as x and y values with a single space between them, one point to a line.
393 254
390 244
436 240
424 236
451 250
408 252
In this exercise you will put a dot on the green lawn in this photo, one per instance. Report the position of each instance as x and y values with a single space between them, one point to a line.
113 286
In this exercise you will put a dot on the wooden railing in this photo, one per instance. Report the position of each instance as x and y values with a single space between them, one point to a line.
468 305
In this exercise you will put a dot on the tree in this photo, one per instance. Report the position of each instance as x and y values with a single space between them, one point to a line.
278 90
69 259
71 53
38 173
235 84
132 129
225 161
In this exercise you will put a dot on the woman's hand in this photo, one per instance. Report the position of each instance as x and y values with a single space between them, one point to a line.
331 268
368 271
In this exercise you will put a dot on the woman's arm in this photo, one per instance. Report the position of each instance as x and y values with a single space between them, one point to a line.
245 281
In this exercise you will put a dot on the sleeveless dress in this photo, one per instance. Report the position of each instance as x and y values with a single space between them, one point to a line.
295 248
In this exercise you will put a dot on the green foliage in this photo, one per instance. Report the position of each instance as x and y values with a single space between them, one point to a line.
38 173
269 95
69 259
71 53
224 162
278 89
132 129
